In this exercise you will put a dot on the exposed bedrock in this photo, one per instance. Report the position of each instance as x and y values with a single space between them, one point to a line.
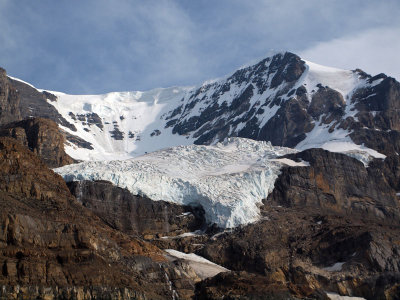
33 103
9 100
295 252
339 184
41 136
135 214
52 247
377 123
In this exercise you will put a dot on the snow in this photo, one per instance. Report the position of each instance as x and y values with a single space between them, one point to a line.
229 180
292 163
335 296
140 113
202 267
335 267
337 141
145 112
343 81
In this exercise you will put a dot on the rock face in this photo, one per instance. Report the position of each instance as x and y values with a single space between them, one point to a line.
134 214
9 100
33 104
52 247
332 226
378 117
42 137
298 253
214 123
338 184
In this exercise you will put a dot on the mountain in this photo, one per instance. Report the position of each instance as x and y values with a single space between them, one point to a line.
282 99
239 161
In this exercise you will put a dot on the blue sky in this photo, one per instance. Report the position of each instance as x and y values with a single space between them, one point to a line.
97 46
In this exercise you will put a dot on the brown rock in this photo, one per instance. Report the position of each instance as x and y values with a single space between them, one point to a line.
338 184
51 246
135 214
41 136
9 100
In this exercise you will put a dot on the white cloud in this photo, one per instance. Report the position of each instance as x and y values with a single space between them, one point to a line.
374 51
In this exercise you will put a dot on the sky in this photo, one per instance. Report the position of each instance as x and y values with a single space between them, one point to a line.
98 46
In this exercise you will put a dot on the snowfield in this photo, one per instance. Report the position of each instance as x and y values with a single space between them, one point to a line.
228 179
142 117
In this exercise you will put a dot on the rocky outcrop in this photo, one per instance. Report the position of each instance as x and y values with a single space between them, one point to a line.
377 123
33 104
53 247
41 136
298 253
327 103
135 214
338 184
288 126
9 100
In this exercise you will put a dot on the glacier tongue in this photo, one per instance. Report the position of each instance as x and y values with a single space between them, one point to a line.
228 179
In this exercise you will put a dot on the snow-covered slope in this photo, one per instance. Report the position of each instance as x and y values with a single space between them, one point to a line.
128 123
254 102
228 179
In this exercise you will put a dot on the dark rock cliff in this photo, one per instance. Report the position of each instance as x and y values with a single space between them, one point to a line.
42 137
135 214
336 183
9 100
33 103
301 253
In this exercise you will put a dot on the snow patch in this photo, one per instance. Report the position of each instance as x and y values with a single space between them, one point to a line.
335 296
292 163
202 267
335 267
337 141
343 81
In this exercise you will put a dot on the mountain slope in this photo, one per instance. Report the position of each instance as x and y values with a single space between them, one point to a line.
282 99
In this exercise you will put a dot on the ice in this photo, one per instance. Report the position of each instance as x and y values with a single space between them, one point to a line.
229 180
